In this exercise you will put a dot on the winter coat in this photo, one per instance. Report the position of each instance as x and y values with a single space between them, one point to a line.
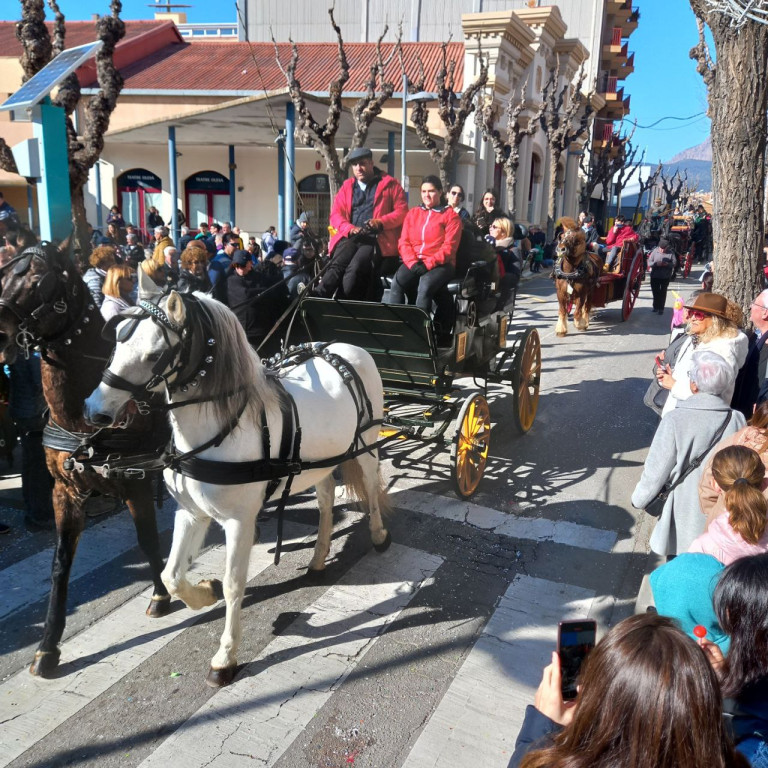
620 236
113 305
390 207
483 219
724 544
712 502
536 732
732 349
94 278
746 717
680 437
683 589
430 235
189 282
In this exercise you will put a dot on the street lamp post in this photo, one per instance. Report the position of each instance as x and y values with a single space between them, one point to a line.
420 96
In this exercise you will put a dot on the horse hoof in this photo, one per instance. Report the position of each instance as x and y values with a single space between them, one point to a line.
315 577
218 678
384 546
45 663
215 586
160 605
561 334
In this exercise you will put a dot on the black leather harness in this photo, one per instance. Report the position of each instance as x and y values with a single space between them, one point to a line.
180 363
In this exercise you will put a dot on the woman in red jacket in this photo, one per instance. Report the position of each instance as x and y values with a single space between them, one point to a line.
428 245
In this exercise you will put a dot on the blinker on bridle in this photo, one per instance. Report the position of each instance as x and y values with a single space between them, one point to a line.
175 356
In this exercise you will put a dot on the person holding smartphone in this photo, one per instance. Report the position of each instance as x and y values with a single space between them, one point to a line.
647 698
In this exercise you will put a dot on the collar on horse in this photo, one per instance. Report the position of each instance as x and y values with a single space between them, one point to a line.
54 297
580 272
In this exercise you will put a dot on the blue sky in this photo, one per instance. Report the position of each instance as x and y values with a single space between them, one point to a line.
664 83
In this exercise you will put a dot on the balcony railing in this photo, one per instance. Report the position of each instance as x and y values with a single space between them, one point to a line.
616 36
608 84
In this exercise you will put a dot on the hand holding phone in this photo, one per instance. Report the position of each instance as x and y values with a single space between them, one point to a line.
574 642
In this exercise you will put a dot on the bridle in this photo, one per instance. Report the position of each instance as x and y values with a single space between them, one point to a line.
54 298
182 363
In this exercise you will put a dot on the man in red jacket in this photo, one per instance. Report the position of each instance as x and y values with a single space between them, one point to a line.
621 232
367 214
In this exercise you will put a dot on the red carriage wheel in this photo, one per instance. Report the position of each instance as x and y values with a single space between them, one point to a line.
632 285
689 260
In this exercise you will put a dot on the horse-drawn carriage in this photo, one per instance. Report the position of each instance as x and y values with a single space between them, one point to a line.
419 368
582 284
679 231
623 283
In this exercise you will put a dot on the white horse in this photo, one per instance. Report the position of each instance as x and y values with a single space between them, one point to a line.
216 386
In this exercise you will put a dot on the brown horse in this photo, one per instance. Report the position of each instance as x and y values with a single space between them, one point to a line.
576 274
45 303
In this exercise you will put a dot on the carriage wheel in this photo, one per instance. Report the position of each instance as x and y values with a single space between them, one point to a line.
470 445
526 378
632 286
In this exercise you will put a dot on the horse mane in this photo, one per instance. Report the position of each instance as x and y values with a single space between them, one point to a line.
236 368
569 224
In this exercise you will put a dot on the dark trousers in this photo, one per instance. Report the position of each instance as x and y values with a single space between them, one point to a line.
36 480
351 271
427 286
659 291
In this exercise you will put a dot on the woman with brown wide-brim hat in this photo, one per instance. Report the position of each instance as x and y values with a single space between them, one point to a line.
712 324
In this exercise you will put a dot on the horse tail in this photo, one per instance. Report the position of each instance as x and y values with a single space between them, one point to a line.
359 487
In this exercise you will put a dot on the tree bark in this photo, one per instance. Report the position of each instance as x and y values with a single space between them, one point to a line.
554 162
738 99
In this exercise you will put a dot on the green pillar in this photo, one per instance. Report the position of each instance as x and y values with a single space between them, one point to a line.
53 199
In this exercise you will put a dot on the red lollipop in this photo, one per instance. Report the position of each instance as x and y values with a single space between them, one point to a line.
700 632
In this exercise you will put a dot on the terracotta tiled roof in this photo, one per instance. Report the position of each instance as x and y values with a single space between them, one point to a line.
78 33
228 66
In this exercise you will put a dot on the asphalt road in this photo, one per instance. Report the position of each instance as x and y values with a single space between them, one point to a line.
422 657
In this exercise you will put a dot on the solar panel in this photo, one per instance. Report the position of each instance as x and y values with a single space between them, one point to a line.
39 86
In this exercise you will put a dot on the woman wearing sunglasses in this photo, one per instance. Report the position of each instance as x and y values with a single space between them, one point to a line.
712 325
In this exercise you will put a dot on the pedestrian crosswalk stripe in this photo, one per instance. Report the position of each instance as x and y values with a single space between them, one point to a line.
29 580
531 528
478 718
30 707
256 719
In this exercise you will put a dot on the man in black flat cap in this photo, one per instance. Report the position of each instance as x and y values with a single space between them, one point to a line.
245 286
367 214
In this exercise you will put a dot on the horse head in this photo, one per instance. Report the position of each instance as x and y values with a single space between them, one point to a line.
572 244
42 297
149 350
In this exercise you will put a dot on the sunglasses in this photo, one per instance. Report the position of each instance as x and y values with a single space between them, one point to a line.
695 314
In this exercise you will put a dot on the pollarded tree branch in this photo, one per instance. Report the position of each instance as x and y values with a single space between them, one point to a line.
452 117
379 90
7 160
700 54
34 37
99 107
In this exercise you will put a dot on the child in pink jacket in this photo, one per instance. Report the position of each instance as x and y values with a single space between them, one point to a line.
738 473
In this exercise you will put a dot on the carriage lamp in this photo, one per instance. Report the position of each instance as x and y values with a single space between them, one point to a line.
461 346
503 331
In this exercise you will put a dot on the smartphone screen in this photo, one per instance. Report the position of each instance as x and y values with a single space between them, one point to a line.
574 642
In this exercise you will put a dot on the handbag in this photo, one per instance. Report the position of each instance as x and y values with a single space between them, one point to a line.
655 396
656 506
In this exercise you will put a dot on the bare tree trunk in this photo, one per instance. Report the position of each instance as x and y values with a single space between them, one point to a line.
738 98
738 161
554 162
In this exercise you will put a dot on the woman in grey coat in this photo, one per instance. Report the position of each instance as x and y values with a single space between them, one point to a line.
682 435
